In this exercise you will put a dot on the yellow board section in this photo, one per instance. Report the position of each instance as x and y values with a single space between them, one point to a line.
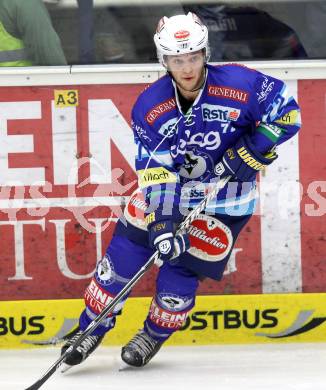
65 98
229 319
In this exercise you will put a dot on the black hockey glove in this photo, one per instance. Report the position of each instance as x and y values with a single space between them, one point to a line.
243 161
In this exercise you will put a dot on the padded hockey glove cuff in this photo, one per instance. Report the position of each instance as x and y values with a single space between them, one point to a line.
243 161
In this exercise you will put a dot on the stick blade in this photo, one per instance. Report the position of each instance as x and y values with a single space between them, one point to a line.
35 386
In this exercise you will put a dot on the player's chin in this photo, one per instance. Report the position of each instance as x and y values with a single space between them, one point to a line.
188 85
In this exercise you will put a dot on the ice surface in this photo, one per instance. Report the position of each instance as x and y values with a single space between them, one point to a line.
232 367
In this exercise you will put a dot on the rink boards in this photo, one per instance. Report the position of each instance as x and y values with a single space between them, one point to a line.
229 319
66 170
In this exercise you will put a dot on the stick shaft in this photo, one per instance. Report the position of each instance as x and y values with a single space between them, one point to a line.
107 309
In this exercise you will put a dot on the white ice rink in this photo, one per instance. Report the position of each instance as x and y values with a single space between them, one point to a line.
252 367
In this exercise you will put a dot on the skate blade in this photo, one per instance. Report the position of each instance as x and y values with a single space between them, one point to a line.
124 366
64 368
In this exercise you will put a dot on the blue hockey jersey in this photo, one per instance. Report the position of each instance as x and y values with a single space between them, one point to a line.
177 152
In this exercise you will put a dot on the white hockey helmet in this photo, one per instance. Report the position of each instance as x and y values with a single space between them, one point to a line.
180 34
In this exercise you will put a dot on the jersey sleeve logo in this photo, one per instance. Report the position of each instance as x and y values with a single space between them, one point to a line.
159 110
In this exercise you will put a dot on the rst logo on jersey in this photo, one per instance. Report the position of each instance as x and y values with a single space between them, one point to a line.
212 112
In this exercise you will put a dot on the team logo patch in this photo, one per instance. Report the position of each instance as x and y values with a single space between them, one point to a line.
182 34
174 302
164 246
210 239
197 166
104 271
135 210
219 169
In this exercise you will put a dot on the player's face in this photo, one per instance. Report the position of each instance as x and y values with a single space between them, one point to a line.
187 70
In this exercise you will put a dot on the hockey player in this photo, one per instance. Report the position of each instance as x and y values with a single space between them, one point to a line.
193 126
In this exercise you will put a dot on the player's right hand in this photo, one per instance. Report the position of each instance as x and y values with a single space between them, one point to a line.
162 238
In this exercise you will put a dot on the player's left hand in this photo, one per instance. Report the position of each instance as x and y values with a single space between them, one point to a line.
243 161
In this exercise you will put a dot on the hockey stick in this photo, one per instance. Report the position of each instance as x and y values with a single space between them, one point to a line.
154 258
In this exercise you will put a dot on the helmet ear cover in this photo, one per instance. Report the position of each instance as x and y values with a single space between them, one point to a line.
180 34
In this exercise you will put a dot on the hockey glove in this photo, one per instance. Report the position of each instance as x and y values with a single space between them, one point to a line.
162 238
243 161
